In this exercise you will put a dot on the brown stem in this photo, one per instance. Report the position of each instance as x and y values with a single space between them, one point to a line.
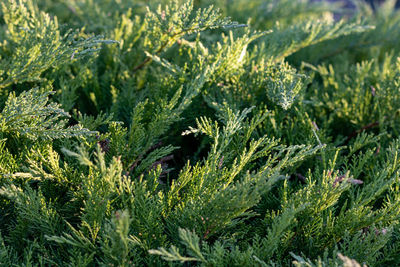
141 65
148 59
366 127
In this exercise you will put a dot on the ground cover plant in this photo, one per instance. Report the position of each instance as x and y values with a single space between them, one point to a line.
199 133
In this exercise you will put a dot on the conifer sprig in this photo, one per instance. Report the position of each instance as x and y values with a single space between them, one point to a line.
31 115
170 24
290 151
35 43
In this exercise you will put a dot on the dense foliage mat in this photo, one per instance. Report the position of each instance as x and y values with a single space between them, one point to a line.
163 133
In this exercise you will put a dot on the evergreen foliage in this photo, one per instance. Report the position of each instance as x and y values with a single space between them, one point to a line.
180 133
